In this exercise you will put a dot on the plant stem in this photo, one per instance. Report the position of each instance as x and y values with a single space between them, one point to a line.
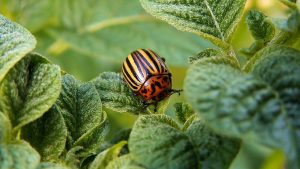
285 38
231 53
115 21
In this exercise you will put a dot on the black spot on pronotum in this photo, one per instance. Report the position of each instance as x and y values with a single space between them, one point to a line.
165 79
153 88
157 84
144 91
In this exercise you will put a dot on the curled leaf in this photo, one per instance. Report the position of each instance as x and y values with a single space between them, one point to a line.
183 111
15 43
5 129
204 54
29 90
104 158
260 28
81 107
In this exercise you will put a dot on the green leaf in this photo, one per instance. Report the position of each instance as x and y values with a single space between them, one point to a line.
32 14
243 102
275 161
121 135
157 142
48 165
222 60
205 54
105 157
111 44
183 111
260 28
124 162
29 90
292 24
215 151
71 157
5 129
81 107
214 20
15 43
161 107
47 134
280 70
116 95
112 31
268 51
37 15
290 3
92 139
255 47
189 121
100 34
251 111
215 56
18 156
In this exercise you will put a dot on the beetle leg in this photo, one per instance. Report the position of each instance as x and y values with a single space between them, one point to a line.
173 91
155 104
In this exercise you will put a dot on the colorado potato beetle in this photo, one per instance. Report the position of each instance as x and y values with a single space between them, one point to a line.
147 75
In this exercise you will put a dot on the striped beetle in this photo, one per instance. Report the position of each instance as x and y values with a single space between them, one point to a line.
147 76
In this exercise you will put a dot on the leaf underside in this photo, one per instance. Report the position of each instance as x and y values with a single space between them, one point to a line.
214 20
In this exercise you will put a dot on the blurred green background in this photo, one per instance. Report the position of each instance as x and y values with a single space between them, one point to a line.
87 37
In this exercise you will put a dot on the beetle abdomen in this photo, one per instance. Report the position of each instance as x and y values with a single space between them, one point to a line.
156 87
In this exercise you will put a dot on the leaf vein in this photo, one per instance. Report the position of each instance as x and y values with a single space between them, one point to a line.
214 19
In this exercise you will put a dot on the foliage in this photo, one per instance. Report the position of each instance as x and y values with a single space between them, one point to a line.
83 31
214 20
51 120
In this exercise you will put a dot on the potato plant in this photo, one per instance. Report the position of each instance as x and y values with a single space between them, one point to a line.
51 120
